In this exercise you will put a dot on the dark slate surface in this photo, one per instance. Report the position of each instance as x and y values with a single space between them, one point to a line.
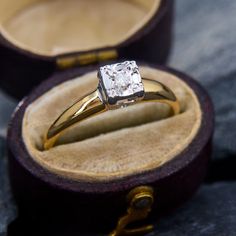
211 212
7 207
204 47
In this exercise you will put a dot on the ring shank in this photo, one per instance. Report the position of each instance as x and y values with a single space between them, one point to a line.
87 107
158 92
91 105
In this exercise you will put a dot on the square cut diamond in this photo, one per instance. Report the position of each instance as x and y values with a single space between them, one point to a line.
121 82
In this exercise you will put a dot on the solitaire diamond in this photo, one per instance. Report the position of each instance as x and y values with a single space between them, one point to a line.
121 83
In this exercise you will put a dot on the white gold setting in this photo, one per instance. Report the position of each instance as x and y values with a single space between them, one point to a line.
120 84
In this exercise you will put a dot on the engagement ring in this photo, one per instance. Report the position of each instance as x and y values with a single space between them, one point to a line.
119 85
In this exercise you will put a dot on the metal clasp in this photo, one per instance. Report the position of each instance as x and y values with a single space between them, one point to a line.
140 202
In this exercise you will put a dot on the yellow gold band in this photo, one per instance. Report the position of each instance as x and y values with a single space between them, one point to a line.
91 105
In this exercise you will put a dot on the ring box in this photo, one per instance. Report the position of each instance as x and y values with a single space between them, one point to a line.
83 183
38 38
107 168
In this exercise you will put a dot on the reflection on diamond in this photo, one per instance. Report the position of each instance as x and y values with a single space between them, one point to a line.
121 79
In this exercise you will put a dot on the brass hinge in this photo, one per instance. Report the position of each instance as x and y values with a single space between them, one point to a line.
86 58
140 203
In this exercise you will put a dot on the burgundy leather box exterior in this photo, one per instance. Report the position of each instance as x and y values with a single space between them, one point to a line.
60 203
22 70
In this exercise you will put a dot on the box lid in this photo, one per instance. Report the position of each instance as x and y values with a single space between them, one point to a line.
38 38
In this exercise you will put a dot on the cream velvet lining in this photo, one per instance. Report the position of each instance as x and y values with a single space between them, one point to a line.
51 27
116 143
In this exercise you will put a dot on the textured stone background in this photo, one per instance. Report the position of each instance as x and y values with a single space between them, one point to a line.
204 47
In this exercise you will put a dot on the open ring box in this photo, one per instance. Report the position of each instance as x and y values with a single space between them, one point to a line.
86 183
